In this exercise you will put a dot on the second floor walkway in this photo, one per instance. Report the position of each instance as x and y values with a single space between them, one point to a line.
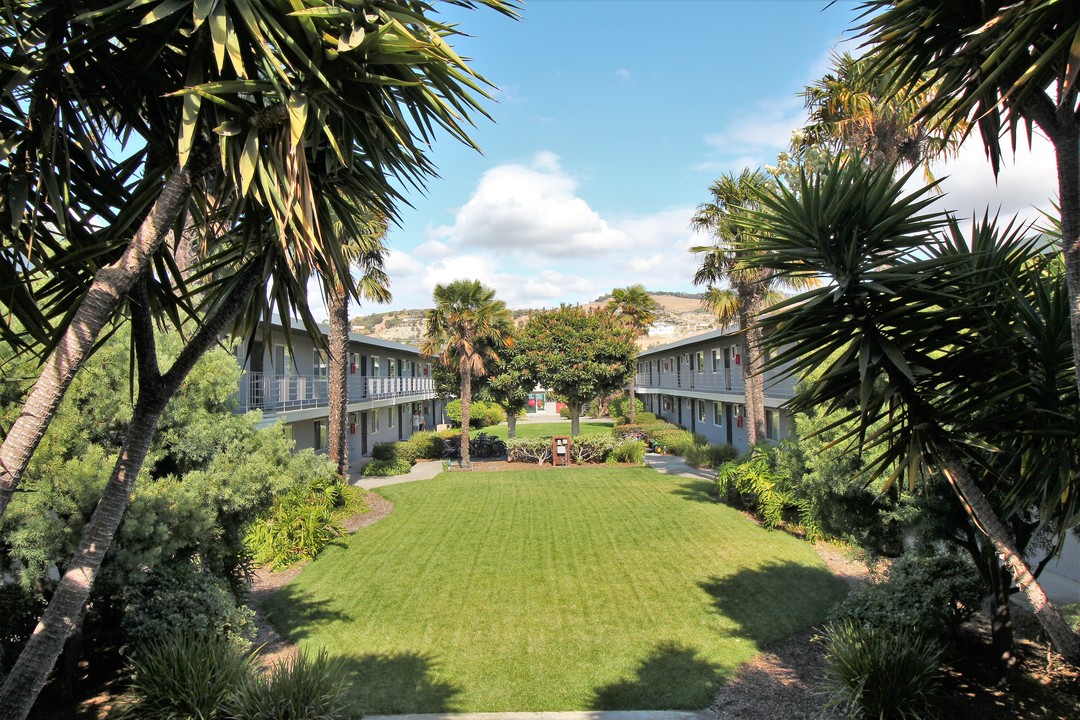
282 393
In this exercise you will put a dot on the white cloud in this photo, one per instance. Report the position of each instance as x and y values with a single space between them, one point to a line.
752 138
1027 182
527 232
625 75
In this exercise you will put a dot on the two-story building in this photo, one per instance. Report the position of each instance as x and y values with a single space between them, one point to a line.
387 384
697 382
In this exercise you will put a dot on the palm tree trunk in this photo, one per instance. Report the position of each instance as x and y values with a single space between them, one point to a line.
466 403
337 307
1066 141
982 513
111 283
27 677
754 379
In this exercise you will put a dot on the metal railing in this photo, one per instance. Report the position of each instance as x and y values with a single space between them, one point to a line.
282 393
728 382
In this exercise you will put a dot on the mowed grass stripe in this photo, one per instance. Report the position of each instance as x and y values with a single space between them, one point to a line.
566 589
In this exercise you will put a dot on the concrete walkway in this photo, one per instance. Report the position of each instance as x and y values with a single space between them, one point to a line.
575 715
422 470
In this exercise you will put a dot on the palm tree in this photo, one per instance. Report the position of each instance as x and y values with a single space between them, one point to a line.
363 245
750 289
1004 67
852 109
464 331
638 310
270 93
953 347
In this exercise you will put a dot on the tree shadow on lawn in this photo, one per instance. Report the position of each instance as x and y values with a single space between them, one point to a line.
294 613
672 677
697 491
775 599
396 684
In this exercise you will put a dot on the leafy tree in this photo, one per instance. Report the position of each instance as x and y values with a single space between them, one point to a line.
638 309
464 331
953 344
578 354
1003 67
509 383
751 288
296 138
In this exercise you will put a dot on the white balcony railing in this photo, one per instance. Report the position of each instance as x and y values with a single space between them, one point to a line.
725 382
282 393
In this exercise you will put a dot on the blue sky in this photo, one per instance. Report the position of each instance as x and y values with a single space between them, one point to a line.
611 118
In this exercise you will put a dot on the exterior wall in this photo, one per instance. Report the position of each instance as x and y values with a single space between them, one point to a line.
674 381
386 383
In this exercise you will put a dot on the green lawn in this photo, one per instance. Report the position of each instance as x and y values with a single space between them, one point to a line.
533 430
576 588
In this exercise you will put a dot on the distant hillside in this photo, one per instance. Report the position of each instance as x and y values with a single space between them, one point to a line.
681 317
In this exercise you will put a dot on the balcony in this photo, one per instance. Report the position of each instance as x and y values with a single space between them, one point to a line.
283 393
728 382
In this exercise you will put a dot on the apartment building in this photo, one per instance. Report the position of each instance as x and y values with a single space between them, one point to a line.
387 384
697 383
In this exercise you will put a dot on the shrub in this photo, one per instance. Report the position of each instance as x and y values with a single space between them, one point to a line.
304 688
179 597
755 483
565 412
590 448
427 445
646 418
388 451
481 414
627 451
929 595
298 525
672 438
188 675
619 409
537 450
879 673
386 468
711 455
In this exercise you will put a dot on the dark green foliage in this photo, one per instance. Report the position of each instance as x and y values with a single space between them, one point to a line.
619 410
873 672
188 675
645 418
425 445
672 438
178 598
565 412
303 688
928 595
390 451
481 414
299 525
385 468
755 483
20 609
710 455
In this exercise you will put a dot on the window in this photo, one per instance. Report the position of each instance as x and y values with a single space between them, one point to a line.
716 355
772 424
375 420
701 411
390 417
375 366
717 413
393 368
283 362
667 404
352 423
667 365
321 435
320 368
701 361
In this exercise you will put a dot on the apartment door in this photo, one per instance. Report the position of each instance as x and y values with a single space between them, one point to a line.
363 433
727 368
400 424
363 377
729 419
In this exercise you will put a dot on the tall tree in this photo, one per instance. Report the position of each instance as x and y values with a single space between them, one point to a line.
750 289
1003 67
464 331
852 109
578 354
278 82
638 310
509 383
363 247
951 344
